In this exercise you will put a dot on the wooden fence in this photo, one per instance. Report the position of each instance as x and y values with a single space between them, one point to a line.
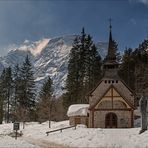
60 129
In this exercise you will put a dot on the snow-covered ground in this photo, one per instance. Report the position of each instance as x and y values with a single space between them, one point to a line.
34 136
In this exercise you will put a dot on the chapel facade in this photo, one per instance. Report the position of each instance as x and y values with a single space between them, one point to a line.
111 103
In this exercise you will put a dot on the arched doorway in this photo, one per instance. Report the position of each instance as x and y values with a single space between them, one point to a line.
111 120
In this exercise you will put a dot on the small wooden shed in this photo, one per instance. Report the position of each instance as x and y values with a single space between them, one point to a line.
78 114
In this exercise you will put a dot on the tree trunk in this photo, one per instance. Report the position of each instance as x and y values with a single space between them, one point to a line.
1 113
23 124
49 118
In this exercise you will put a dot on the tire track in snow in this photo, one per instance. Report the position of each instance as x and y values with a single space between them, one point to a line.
45 143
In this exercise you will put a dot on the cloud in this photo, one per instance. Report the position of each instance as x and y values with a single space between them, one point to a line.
145 2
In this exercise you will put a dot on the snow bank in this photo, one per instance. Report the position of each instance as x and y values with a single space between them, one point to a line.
9 142
89 137
78 110
81 137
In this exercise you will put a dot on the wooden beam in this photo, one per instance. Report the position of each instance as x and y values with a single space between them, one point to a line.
112 96
93 106
114 109
93 118
126 100
132 119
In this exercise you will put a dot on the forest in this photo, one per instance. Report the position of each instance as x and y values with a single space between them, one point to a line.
20 102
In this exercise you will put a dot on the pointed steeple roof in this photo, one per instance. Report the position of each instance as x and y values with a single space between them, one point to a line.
110 33
111 55
110 63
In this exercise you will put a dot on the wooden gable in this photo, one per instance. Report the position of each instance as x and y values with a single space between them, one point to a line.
112 99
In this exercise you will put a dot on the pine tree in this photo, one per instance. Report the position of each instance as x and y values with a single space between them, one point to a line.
87 63
74 82
9 87
1 109
141 69
6 91
83 66
26 92
134 69
2 95
45 104
1 100
93 64
95 67
73 78
127 69
16 89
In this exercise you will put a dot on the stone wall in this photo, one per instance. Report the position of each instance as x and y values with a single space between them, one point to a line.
90 119
123 119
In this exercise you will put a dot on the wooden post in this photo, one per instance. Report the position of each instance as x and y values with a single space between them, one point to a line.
75 127
16 127
15 134
132 120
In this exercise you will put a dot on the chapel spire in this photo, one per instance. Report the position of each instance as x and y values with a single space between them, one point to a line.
110 30
111 55
110 63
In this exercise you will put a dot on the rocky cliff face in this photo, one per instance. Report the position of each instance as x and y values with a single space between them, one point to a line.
49 58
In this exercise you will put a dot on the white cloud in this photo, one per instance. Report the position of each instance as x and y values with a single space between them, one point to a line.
143 1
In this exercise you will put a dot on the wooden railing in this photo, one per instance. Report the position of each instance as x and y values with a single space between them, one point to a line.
60 129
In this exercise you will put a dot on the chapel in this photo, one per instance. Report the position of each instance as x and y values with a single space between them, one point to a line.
111 103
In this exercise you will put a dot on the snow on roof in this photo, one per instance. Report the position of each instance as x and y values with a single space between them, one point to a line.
78 110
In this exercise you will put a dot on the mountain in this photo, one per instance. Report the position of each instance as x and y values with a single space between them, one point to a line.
49 58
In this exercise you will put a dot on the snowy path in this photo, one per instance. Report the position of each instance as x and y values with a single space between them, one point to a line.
34 136
44 143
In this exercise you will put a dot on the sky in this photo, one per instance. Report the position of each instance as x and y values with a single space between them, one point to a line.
37 19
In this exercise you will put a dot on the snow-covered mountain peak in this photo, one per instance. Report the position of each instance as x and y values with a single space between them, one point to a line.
34 47
49 58
40 46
